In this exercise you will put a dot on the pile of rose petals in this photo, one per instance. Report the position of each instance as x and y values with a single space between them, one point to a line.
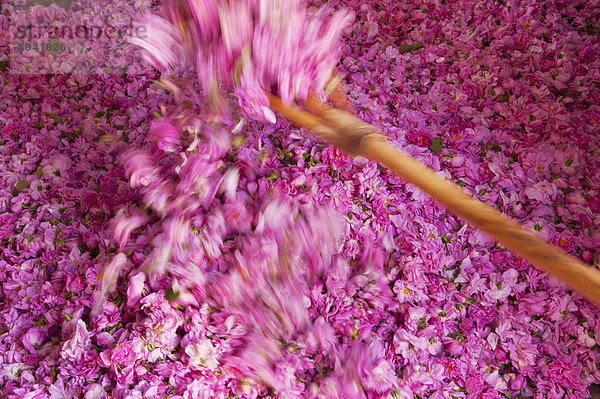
251 46
148 251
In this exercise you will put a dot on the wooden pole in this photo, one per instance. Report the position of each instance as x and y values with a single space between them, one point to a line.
567 268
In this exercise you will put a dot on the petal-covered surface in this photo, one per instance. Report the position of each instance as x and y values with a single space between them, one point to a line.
148 252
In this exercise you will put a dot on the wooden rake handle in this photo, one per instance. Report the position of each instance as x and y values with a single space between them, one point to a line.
575 274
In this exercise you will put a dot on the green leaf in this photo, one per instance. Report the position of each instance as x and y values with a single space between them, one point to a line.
436 144
408 48
119 300
496 148
469 301
274 176
20 186
171 295
56 119
3 66
53 372
55 46
100 114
